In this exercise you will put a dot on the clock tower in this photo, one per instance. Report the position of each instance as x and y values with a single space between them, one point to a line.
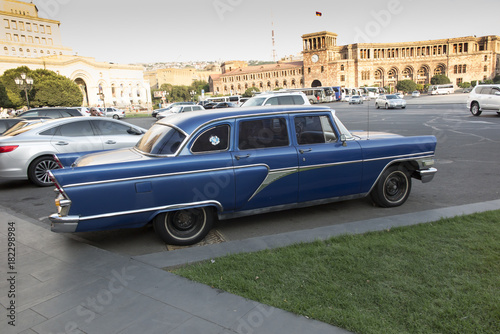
318 50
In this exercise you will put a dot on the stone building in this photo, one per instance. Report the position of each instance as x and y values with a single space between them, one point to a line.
28 40
325 63
176 76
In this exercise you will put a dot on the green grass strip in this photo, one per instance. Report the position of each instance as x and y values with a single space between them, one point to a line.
441 277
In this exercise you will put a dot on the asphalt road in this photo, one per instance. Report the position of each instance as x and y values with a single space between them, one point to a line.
467 159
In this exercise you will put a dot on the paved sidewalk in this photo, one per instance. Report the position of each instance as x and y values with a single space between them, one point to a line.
62 285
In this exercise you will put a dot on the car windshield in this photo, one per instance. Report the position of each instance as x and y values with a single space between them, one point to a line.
254 101
176 109
392 97
160 139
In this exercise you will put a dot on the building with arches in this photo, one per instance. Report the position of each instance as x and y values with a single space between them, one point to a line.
28 40
325 63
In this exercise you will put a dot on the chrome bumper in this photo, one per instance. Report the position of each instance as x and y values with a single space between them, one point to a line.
66 224
426 175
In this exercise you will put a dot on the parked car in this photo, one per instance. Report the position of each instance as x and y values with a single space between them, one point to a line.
468 89
171 105
415 93
177 110
7 123
114 112
225 105
26 149
210 105
356 99
277 98
199 166
50 113
400 95
83 110
390 101
484 97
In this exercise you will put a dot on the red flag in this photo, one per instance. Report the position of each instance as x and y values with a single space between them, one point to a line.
318 14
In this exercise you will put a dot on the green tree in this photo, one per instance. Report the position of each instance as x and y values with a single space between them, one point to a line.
52 89
250 91
440 79
420 87
406 86
49 89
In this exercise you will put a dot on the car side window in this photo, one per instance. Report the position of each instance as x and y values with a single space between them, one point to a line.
272 101
297 99
214 139
75 129
108 128
314 130
494 91
263 133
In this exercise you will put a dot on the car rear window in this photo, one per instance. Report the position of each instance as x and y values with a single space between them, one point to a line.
161 140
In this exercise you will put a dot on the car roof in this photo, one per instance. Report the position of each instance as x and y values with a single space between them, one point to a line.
189 122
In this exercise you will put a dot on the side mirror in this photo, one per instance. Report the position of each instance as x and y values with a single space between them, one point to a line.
343 140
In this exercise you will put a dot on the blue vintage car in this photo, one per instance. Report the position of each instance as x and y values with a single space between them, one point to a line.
193 168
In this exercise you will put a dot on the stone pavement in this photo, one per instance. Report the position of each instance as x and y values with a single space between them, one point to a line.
57 284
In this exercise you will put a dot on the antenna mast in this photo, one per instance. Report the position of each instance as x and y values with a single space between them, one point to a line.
272 37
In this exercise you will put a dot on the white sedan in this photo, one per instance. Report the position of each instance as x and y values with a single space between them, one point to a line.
26 149
390 101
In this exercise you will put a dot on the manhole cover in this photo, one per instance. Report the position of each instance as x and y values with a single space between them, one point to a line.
213 237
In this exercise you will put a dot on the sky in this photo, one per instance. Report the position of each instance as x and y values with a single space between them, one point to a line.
148 31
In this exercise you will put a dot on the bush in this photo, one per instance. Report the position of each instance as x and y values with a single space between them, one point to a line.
406 86
440 79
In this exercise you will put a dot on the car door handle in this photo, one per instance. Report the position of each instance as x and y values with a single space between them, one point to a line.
238 157
302 151
62 143
110 142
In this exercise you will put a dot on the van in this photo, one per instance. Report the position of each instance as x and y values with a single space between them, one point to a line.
277 98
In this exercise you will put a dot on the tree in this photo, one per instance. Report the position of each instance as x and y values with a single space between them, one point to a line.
406 86
496 79
250 91
52 89
440 79
49 89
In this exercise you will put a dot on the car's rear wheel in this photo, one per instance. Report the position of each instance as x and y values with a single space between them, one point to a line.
386 106
474 109
116 116
38 171
393 187
184 227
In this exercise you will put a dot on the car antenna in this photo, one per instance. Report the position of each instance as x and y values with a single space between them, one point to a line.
368 121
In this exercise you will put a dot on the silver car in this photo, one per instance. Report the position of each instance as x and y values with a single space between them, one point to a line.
178 109
483 98
26 149
390 101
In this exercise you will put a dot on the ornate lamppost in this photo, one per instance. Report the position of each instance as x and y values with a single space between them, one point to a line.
192 94
25 83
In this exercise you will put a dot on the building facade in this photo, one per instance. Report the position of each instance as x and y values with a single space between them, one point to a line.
176 76
325 63
28 40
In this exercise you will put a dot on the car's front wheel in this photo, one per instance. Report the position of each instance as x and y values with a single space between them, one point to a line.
38 171
386 106
474 109
184 227
376 105
393 187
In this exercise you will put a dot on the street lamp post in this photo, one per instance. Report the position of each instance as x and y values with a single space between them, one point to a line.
25 83
192 94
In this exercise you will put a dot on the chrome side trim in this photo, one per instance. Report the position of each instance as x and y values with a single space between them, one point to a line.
158 208
231 215
398 157
273 176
